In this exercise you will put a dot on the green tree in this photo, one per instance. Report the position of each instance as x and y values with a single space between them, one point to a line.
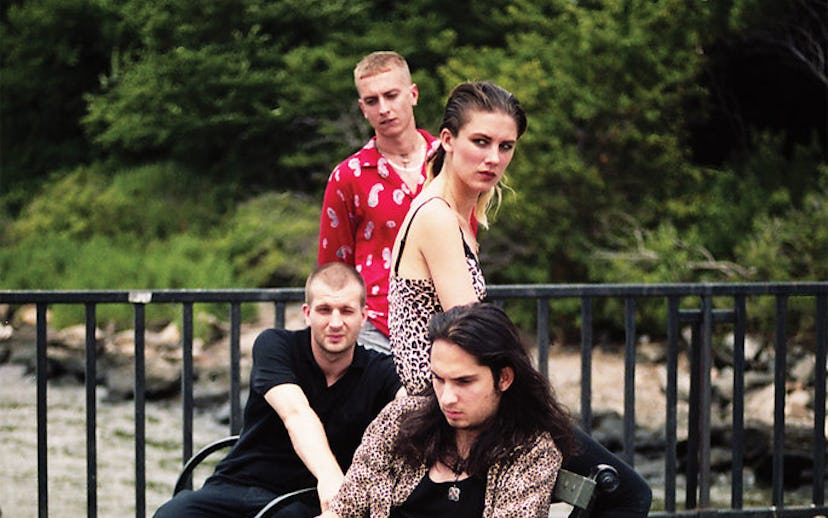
605 87
53 53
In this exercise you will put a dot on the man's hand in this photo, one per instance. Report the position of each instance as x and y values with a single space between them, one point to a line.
327 488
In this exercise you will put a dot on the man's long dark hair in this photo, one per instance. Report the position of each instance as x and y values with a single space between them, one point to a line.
527 407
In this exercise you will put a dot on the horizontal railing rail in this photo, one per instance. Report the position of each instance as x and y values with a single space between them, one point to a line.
687 305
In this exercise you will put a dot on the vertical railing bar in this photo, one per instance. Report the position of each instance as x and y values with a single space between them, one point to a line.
629 381
671 420
42 405
705 398
90 382
187 384
140 415
279 314
779 366
586 364
235 368
543 336
819 399
693 430
738 422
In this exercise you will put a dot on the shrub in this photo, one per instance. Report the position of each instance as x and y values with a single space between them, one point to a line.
137 204
272 239
58 262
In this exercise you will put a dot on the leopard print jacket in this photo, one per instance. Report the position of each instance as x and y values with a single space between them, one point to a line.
379 480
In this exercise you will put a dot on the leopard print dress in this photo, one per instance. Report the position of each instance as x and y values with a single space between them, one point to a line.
411 303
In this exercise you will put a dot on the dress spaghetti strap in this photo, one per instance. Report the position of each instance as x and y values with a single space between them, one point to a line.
408 227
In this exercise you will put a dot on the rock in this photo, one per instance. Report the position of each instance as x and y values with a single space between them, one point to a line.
720 458
753 347
803 370
759 405
217 329
162 378
798 406
222 415
6 332
650 352
682 383
168 339
27 316
722 384
757 379
724 352
65 352
162 363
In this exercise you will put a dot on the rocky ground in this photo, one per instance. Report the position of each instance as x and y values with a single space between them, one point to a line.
67 449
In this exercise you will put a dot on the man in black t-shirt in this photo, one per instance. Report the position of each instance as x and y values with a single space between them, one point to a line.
312 394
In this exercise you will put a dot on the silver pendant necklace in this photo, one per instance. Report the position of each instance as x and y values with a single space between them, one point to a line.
454 491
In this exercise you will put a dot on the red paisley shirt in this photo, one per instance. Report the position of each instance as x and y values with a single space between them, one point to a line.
365 203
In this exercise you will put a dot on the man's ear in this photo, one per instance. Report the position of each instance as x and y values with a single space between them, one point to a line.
306 312
415 94
507 376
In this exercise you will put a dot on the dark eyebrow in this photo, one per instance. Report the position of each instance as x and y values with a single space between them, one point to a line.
459 378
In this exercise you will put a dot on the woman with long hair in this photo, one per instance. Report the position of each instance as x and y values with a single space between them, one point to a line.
435 263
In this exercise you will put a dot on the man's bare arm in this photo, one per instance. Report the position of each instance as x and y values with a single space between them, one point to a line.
308 438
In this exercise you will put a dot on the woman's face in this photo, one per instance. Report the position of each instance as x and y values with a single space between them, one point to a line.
482 149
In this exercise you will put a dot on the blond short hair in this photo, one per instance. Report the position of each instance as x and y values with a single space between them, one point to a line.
335 275
379 62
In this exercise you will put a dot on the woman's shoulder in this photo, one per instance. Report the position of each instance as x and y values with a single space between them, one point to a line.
432 210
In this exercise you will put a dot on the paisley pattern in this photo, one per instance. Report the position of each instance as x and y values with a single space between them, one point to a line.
365 202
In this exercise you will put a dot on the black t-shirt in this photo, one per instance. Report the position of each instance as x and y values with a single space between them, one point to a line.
433 500
264 455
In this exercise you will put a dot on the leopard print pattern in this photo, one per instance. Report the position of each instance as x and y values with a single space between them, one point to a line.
378 480
411 303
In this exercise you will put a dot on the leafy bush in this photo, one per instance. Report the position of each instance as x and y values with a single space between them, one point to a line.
792 246
134 205
57 262
272 239
147 227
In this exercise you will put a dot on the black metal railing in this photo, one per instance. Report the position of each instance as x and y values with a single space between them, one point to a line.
701 316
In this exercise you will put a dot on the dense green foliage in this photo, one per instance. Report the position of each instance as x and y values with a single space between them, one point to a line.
186 144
